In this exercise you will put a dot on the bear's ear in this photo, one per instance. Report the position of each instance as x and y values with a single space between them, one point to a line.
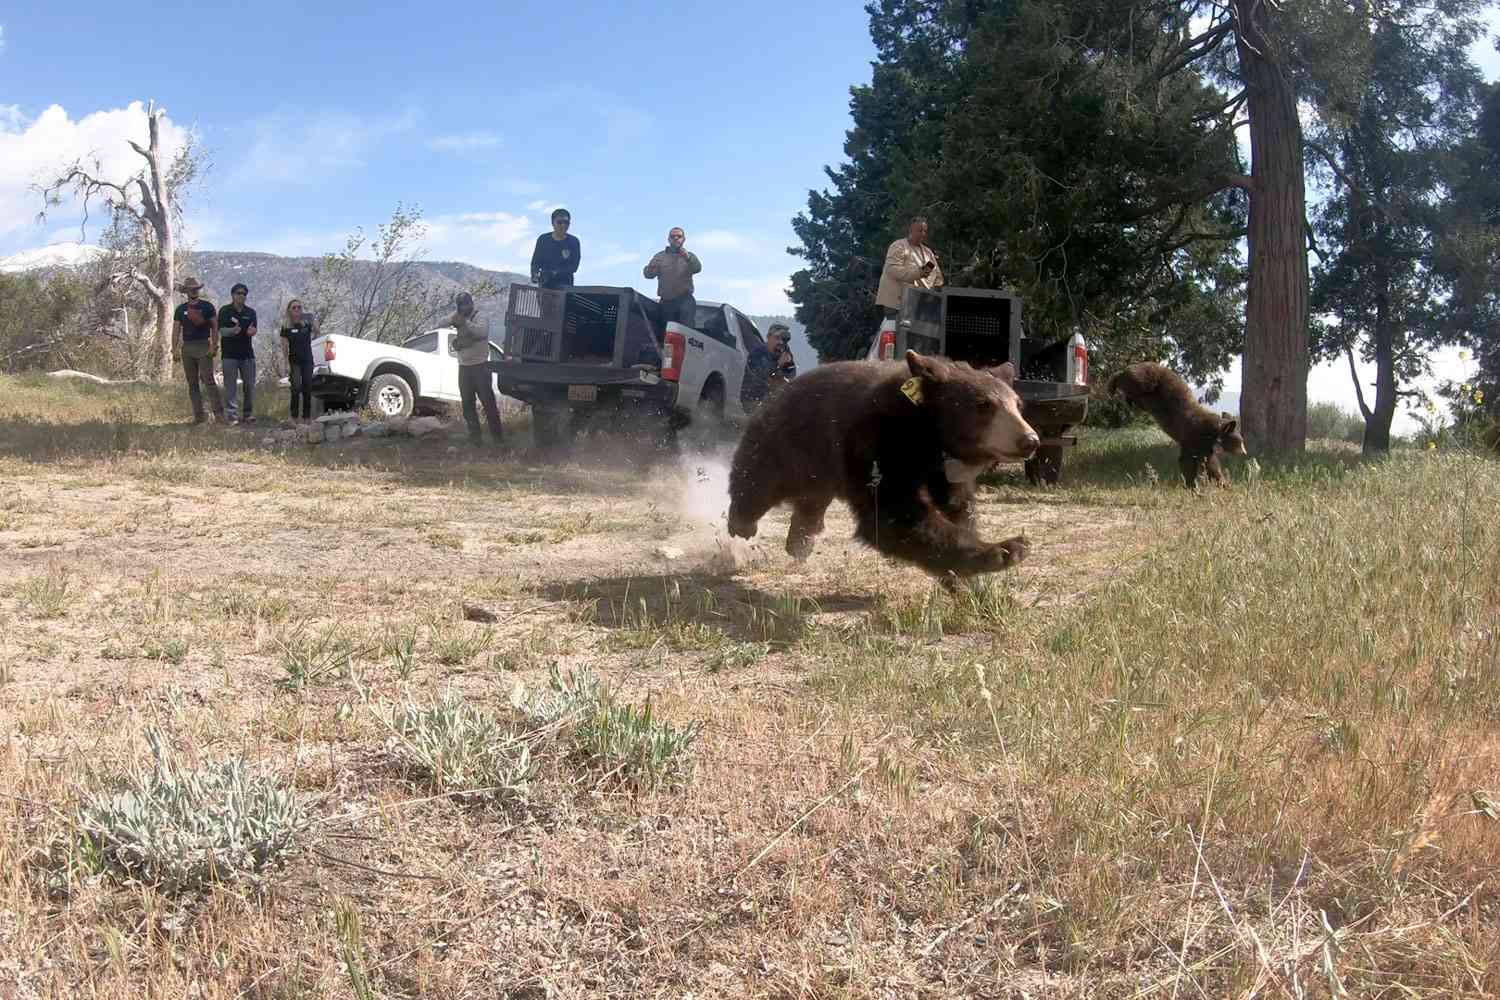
1229 424
1005 373
932 369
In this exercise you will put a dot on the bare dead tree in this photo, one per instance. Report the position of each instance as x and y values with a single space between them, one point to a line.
148 205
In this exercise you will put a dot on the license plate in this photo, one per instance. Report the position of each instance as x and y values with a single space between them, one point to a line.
583 393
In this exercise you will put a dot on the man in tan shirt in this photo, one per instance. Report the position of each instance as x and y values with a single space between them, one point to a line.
673 269
908 263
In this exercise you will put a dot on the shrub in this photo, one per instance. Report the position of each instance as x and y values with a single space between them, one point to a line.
182 828
1331 422
455 745
628 741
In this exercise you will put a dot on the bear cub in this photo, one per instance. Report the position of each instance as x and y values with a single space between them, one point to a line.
894 440
1201 433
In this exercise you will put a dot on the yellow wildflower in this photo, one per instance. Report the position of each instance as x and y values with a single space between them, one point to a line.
1463 355
1431 445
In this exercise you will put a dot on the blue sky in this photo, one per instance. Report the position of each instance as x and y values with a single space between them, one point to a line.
636 117
715 117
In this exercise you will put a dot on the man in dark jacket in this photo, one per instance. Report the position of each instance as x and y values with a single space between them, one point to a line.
237 336
555 259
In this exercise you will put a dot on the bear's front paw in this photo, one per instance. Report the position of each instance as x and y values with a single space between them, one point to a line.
1011 551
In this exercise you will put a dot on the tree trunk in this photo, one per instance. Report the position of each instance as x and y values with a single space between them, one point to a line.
168 347
1273 395
1377 439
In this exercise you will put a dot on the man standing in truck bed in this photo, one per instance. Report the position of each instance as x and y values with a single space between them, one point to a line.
673 269
555 259
909 263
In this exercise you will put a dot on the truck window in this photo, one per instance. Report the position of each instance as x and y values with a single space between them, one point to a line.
713 322
427 343
749 333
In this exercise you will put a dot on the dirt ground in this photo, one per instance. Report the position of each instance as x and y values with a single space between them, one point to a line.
782 868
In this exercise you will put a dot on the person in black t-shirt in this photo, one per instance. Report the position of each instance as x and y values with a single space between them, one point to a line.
237 336
298 331
195 325
555 259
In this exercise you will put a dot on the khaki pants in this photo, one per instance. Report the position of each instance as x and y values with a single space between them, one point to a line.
198 366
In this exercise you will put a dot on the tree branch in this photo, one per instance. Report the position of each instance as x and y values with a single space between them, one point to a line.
1211 186
1359 394
1338 170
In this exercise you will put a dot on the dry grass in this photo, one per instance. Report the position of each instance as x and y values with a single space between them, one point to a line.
1239 744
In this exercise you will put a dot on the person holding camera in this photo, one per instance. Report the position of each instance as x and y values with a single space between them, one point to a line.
909 263
471 343
555 259
673 269
769 367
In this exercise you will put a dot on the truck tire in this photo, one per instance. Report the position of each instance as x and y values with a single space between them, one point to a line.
708 427
1045 466
390 395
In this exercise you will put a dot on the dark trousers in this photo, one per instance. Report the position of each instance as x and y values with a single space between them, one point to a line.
476 386
301 373
198 366
683 309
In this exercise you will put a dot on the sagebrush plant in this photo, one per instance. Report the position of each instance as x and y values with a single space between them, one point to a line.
455 745
181 828
629 742
48 595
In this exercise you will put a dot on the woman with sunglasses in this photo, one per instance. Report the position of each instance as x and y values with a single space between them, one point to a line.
298 329
555 259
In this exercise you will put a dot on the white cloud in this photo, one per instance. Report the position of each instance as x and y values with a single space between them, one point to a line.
540 205
34 151
463 142
724 241
497 240
762 295
308 147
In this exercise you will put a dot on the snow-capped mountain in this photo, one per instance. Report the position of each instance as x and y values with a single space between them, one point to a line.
51 256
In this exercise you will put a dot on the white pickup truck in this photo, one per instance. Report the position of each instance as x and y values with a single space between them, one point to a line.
599 356
394 381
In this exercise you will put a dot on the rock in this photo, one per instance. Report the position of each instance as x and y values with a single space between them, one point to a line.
331 433
375 429
474 613
312 434
669 552
351 428
269 441
421 426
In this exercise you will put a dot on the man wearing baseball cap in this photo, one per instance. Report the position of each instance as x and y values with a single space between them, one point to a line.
769 367
555 259
237 335
196 327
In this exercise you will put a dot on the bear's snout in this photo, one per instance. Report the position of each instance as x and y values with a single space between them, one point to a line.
1029 443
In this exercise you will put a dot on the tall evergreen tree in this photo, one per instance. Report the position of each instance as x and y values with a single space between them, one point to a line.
1395 96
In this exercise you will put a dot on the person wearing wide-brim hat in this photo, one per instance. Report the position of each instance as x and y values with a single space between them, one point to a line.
195 325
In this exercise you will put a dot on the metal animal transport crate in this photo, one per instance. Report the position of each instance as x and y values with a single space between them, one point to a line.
977 325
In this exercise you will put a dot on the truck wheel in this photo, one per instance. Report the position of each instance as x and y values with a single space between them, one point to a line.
1045 466
708 425
391 396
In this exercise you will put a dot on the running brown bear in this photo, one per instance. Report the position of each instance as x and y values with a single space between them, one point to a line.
893 440
1201 433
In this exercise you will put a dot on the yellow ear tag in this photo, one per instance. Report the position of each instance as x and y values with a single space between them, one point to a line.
912 390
